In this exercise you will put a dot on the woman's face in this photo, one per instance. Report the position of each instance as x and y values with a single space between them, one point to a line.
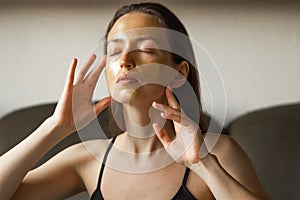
137 69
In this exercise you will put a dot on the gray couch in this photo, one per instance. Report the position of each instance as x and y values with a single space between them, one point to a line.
269 136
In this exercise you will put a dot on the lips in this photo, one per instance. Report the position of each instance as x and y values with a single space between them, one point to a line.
125 78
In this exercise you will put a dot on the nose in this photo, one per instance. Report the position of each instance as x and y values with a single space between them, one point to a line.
127 61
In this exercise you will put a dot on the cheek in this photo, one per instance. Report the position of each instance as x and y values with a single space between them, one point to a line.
111 78
113 68
158 74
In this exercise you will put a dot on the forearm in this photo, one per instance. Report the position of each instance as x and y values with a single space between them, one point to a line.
221 184
19 160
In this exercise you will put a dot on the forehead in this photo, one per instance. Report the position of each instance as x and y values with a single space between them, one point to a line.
131 21
137 26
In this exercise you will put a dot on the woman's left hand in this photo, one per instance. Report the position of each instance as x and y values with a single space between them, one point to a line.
188 148
185 148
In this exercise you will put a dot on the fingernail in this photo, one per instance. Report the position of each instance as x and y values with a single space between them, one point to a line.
74 61
154 104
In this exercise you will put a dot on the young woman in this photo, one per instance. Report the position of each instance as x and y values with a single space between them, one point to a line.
132 57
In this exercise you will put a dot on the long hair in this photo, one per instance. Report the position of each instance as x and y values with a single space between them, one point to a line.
170 21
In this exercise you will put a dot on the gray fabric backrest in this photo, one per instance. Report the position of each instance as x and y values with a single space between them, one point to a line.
17 125
271 139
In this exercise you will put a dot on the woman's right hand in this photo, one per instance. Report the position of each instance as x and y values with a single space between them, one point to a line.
74 105
75 109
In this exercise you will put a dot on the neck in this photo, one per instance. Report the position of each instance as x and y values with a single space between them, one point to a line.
140 136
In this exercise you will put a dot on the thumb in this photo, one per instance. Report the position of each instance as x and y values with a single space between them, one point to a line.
102 104
162 135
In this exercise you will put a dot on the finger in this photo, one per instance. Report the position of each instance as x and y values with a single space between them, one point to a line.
85 68
178 117
164 108
162 135
167 112
175 118
171 99
71 74
101 105
93 77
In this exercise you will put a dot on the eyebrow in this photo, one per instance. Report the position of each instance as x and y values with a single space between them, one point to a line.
139 39
114 41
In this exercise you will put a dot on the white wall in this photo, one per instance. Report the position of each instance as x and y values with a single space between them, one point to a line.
255 46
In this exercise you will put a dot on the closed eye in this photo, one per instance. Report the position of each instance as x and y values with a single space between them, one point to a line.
114 48
115 53
146 50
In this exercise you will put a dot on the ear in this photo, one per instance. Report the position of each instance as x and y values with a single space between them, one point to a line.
183 69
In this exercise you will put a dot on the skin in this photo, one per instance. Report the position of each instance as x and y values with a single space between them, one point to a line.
225 173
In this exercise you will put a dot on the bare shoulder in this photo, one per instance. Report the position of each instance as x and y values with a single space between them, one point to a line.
87 159
224 145
230 155
89 156
61 176
87 151
77 155
78 158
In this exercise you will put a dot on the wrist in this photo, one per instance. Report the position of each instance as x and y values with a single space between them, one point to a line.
61 130
206 166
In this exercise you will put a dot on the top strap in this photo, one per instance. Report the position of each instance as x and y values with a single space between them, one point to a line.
186 176
104 161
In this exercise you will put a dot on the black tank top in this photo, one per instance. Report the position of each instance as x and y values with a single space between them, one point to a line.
182 194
